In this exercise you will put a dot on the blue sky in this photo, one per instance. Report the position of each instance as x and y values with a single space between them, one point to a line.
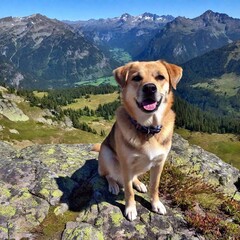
86 9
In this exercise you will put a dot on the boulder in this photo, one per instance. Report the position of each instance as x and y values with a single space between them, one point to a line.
192 159
43 184
10 110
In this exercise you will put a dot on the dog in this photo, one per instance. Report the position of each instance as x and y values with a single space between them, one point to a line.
141 137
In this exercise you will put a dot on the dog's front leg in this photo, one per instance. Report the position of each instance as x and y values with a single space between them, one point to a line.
155 174
130 207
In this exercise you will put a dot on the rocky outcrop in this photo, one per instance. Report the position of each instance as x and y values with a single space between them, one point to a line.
10 110
194 160
42 183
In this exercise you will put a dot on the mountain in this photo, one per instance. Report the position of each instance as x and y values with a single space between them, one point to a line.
47 53
212 81
131 33
183 38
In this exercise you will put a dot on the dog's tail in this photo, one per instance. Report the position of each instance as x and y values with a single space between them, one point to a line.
96 147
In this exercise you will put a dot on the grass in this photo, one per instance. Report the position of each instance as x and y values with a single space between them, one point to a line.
32 132
225 146
39 133
210 212
103 80
40 94
98 123
30 111
205 208
93 101
227 84
53 226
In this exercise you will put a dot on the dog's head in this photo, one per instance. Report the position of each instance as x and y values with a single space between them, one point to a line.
146 85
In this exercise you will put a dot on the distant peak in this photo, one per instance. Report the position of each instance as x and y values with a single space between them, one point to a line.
125 15
37 16
148 14
209 14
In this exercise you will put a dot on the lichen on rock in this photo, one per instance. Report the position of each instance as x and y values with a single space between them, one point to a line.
45 182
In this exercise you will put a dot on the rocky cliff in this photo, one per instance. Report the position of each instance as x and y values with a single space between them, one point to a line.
55 192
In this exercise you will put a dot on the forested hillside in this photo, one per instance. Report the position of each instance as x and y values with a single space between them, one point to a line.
188 116
212 81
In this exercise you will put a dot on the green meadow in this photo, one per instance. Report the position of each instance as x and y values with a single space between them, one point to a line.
92 101
225 146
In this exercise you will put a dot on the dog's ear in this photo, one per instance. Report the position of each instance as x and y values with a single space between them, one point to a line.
121 75
174 72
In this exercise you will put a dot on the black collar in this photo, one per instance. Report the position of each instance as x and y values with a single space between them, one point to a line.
144 129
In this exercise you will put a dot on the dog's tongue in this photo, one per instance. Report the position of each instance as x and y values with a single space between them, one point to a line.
149 105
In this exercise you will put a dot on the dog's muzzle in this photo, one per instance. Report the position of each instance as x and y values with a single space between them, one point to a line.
149 103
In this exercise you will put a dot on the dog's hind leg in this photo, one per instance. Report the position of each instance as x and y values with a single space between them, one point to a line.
139 185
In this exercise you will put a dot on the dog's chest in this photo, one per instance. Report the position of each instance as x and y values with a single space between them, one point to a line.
153 152
149 156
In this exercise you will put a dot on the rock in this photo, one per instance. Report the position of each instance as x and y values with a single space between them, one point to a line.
13 131
10 110
68 122
3 89
63 177
44 120
33 179
195 161
20 210
12 97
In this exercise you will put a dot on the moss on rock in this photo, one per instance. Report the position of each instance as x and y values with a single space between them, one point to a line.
116 217
42 175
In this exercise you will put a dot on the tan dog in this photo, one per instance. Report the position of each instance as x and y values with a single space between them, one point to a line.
141 137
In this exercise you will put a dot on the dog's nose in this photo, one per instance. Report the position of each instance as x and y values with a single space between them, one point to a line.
149 88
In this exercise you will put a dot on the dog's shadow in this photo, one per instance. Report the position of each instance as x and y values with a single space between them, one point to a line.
85 187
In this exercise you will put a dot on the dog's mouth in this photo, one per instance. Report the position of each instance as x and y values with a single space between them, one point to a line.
149 105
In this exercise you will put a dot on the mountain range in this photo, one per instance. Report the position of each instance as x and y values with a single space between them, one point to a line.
131 33
183 39
41 53
38 52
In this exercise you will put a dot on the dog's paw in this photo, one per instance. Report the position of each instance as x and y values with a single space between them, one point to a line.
113 188
140 186
159 208
131 213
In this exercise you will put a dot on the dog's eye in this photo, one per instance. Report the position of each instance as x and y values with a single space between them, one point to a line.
160 77
137 78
